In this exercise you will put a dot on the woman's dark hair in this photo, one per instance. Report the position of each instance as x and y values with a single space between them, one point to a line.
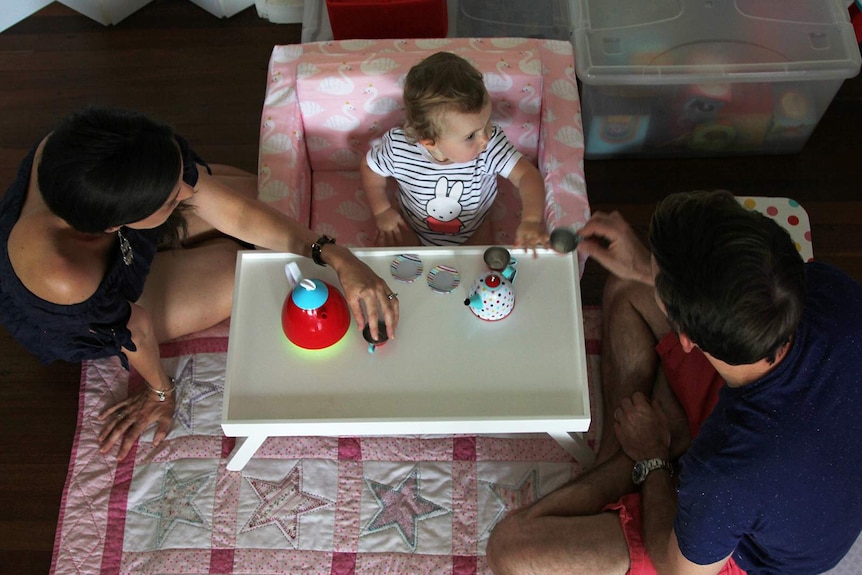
731 279
106 167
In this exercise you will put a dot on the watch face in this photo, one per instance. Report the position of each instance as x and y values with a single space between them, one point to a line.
639 472
644 468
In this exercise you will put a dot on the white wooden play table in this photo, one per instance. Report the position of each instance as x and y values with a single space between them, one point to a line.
446 372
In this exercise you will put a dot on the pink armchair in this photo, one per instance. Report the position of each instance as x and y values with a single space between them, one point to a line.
326 102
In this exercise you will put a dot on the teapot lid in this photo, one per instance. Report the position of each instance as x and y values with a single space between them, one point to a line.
310 294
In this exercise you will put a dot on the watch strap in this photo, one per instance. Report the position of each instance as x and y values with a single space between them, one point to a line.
643 468
317 247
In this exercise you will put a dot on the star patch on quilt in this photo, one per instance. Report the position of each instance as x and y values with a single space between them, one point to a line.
402 507
512 496
191 391
282 503
176 504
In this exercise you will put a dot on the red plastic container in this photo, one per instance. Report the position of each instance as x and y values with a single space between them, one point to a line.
374 19
315 315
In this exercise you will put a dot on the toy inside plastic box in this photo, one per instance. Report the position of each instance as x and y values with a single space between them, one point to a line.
708 77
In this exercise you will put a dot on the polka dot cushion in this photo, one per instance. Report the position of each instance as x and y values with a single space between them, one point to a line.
790 214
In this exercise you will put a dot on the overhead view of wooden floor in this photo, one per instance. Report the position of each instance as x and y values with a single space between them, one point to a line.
206 76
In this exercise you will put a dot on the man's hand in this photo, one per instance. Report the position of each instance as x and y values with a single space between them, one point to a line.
611 241
642 428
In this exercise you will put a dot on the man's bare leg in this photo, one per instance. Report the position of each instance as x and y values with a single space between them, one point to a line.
632 325
566 531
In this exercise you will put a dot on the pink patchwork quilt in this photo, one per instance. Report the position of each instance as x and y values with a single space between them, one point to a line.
327 505
306 505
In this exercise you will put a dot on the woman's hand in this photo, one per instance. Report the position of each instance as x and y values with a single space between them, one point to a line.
366 293
128 419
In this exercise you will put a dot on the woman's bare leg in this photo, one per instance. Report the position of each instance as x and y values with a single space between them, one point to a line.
190 289
239 180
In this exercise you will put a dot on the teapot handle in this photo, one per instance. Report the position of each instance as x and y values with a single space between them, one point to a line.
294 275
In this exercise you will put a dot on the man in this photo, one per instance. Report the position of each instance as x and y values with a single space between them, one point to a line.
723 348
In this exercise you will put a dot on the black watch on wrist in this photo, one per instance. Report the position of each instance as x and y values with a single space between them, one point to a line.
647 466
317 246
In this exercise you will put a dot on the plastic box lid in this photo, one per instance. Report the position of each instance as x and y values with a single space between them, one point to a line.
654 42
515 18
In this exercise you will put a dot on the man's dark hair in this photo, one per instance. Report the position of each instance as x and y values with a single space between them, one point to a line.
103 167
731 279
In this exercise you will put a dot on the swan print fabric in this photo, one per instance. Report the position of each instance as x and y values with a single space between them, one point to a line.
328 103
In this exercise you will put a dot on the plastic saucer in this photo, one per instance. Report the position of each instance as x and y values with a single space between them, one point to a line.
406 267
443 279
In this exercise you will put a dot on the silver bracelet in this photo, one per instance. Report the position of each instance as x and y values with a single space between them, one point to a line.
162 394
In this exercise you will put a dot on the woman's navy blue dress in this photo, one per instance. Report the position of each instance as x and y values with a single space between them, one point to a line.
96 327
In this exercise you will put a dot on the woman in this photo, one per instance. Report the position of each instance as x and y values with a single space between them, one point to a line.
115 237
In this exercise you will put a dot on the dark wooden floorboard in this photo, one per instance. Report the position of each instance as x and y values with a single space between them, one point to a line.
206 76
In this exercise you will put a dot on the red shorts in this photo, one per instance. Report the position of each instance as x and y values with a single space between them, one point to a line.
695 383
629 508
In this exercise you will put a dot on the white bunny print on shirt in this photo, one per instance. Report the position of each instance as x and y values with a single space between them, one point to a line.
445 207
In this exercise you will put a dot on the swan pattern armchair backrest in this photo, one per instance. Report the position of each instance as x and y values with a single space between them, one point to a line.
327 102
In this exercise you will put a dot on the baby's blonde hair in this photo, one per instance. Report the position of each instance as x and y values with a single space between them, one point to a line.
442 82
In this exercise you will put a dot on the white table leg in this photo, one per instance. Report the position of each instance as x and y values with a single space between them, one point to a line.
243 451
576 445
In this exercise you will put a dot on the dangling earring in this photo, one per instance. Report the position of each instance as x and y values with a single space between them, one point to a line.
125 248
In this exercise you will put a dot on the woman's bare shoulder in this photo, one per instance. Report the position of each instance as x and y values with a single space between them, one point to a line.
54 267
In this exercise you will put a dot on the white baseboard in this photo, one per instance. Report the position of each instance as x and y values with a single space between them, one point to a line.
283 11
224 8
14 12
106 11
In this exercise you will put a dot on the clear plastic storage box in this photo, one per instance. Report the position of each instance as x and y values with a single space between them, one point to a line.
466 19
708 77
513 18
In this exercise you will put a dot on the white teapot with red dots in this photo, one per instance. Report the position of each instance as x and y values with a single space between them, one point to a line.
493 295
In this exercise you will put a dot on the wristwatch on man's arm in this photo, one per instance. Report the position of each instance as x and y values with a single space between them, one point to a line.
646 466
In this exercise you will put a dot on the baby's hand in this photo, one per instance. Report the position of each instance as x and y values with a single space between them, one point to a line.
531 235
389 226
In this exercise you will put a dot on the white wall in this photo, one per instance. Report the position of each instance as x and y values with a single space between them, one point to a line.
108 11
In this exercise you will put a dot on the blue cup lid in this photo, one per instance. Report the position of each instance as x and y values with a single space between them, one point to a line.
310 294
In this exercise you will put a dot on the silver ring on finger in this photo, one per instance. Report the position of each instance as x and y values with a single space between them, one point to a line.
392 296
